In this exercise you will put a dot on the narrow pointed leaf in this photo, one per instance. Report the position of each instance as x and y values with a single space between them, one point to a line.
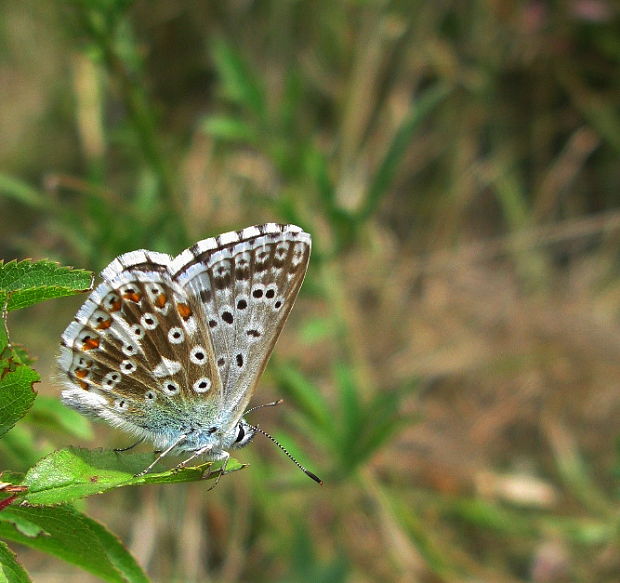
304 393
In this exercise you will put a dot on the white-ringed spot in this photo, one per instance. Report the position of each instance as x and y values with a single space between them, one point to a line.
111 379
137 331
128 366
131 292
202 385
198 355
129 349
100 320
149 321
112 302
89 341
176 335
170 387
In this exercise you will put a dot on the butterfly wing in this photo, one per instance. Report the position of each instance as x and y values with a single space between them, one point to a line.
138 353
245 283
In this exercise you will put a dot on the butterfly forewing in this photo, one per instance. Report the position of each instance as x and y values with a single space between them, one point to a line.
165 347
246 283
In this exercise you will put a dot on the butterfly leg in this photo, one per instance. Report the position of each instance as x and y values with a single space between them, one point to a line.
121 449
195 454
226 457
161 455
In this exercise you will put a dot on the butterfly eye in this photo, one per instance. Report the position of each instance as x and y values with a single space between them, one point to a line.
240 433
243 435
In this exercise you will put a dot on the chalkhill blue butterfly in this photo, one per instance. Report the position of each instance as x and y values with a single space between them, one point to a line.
171 349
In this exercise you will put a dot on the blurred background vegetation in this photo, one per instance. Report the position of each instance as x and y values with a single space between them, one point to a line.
451 367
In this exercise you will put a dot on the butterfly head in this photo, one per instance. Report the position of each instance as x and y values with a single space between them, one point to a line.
243 434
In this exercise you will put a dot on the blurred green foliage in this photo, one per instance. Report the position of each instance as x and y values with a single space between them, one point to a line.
457 166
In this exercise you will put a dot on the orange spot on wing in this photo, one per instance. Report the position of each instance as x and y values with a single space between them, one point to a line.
133 296
90 343
81 372
160 300
115 306
184 311
83 385
104 324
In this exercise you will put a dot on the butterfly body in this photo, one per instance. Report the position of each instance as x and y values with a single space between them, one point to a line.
171 349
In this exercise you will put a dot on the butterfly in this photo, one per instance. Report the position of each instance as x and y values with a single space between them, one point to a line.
171 349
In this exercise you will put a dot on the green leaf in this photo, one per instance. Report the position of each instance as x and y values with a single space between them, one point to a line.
382 420
20 191
314 330
74 473
24 283
50 413
68 534
228 128
304 393
20 448
10 570
382 180
16 395
19 354
350 404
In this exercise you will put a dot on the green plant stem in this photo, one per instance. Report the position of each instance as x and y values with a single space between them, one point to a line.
143 120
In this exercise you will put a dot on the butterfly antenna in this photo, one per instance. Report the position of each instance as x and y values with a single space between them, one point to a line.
289 455
272 404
